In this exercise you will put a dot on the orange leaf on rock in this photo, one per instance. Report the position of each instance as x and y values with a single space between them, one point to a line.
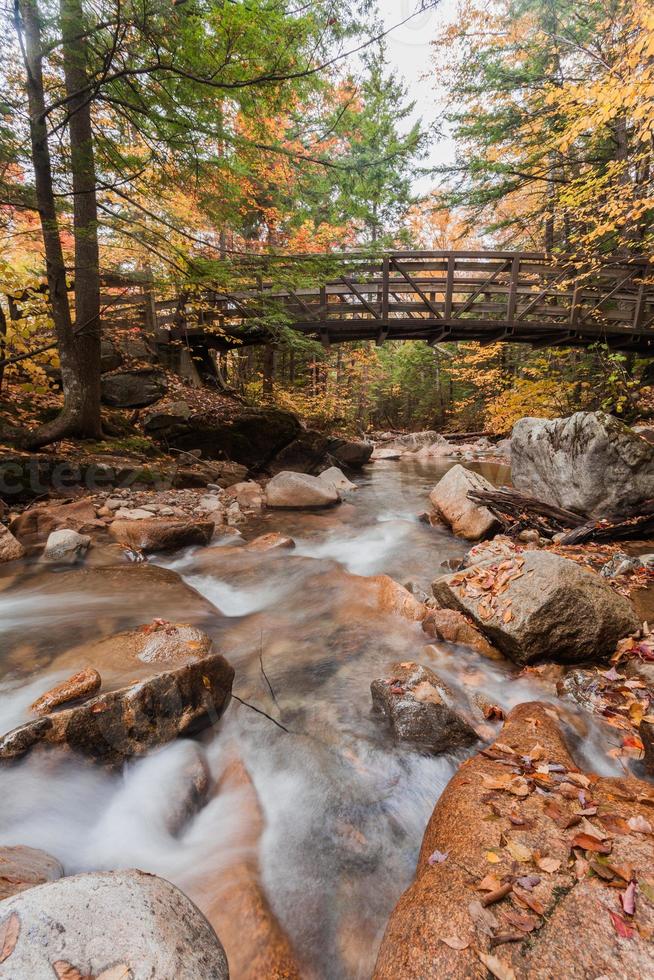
588 843
9 933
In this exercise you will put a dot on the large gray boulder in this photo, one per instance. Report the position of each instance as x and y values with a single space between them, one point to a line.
590 462
419 709
116 924
350 452
290 490
539 606
450 498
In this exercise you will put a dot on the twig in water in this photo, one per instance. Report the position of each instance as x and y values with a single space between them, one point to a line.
260 712
270 687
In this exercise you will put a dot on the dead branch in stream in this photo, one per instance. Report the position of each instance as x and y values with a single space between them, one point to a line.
518 511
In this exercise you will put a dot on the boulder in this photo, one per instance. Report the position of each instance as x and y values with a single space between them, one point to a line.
161 533
10 548
453 627
114 924
306 454
39 521
65 546
81 685
539 606
350 452
413 441
387 452
271 542
290 490
249 495
253 437
394 598
498 548
418 708
110 356
118 725
464 516
590 463
24 867
518 883
133 389
336 478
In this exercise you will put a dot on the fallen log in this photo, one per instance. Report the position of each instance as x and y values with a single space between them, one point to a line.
518 511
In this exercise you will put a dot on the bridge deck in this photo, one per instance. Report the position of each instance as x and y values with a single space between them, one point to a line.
436 296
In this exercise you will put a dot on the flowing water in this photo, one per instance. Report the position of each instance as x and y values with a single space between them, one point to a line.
332 833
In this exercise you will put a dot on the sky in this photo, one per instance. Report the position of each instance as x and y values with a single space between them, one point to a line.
409 53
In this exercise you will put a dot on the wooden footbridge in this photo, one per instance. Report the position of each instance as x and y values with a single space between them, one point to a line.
520 297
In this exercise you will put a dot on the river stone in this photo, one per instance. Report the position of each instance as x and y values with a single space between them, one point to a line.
271 542
465 517
336 478
290 490
575 937
65 546
42 519
118 725
559 611
161 533
118 924
24 867
249 495
81 685
418 708
10 548
350 452
590 463
133 389
454 627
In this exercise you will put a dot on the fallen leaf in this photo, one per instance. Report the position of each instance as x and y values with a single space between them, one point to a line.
628 899
120 972
9 933
500 970
528 882
550 865
518 851
615 824
489 884
532 903
437 857
578 779
602 870
522 920
66 971
454 942
621 927
588 843
483 918
588 828
640 825
492 857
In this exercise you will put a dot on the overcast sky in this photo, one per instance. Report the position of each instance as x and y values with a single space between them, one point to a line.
409 52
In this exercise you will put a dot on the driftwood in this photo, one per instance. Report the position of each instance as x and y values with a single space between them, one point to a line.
518 511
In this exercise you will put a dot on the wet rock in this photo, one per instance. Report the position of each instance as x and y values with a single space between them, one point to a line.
559 919
387 452
148 929
81 685
25 867
394 598
621 564
646 732
464 516
161 533
453 627
271 542
118 725
590 463
550 608
10 548
133 389
39 521
65 546
334 477
350 452
190 789
290 490
418 708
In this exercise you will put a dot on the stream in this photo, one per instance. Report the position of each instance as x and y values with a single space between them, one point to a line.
341 809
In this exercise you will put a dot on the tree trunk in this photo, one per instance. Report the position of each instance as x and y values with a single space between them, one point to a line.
85 213
71 420
3 342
